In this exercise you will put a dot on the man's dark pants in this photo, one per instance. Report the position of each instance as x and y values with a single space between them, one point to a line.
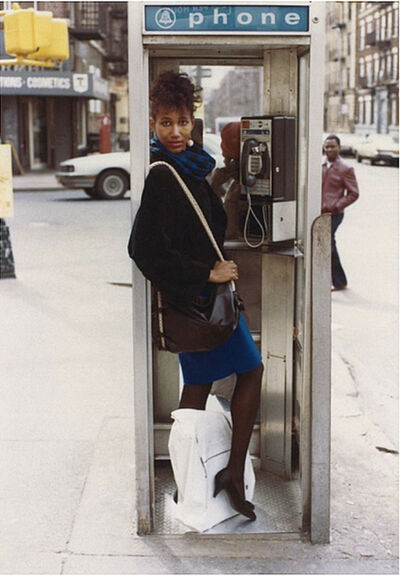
338 275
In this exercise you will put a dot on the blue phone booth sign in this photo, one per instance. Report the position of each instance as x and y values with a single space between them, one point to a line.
205 18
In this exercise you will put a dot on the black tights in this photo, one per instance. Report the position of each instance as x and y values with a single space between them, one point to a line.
244 407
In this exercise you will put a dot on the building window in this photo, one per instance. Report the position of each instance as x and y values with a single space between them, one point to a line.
94 106
382 68
383 27
362 68
361 111
377 29
395 64
376 67
369 69
362 36
372 110
396 20
348 43
388 65
389 24
369 24
367 119
394 110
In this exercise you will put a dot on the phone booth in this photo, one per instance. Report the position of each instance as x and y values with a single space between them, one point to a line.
282 248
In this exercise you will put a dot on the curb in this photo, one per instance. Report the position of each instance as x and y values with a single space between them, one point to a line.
41 189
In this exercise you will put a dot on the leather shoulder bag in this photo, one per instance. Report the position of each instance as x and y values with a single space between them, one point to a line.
208 321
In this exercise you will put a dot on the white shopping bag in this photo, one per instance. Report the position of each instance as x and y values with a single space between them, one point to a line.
199 447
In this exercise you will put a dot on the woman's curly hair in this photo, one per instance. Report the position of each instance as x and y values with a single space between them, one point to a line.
174 90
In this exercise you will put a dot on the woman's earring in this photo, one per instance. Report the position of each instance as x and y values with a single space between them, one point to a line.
190 142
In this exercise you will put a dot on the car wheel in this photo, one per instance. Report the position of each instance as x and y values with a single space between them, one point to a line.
373 162
112 184
358 158
91 192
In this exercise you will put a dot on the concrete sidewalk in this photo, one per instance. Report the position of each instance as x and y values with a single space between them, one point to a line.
35 181
67 480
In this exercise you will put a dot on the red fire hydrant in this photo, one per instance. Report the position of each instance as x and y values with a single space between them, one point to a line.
105 133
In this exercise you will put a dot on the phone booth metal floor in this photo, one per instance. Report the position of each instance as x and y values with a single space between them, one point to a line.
277 506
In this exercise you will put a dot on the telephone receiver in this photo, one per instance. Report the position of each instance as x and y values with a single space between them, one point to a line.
255 161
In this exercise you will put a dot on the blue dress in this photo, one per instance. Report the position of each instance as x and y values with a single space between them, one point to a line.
238 354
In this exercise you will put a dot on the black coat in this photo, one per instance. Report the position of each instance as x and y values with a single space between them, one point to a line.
168 241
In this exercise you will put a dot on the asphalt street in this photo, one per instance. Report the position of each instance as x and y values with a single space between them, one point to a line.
66 400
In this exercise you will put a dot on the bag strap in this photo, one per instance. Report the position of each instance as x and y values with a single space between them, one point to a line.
210 235
194 204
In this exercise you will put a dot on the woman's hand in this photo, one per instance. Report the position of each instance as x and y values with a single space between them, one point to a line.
224 271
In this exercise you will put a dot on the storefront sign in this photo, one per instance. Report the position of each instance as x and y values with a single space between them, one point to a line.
6 186
222 18
25 83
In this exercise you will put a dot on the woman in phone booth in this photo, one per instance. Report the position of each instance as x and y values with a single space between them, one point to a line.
171 248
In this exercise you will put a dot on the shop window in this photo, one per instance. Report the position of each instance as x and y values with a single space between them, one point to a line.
81 125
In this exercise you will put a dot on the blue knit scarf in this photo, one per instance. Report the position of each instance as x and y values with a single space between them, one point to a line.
193 162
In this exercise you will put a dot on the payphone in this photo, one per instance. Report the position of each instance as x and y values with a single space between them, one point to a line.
267 178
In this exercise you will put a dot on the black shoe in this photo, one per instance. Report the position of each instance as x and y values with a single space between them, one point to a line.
223 480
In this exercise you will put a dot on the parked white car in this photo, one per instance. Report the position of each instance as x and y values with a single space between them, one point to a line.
100 175
107 176
379 148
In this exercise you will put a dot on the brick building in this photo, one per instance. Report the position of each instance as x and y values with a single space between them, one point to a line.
362 68
377 93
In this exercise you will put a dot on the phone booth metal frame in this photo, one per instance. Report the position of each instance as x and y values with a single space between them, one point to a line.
301 55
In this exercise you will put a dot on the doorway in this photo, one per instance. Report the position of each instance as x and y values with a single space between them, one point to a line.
37 123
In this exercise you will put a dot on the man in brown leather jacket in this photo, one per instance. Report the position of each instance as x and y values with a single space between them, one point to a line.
339 190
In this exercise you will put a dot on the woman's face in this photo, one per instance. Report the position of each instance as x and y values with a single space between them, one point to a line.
173 128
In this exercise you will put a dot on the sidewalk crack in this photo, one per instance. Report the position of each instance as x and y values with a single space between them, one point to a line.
66 551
